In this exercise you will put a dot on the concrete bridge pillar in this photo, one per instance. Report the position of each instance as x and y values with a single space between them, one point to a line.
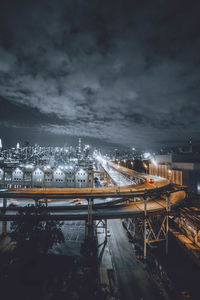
4 223
180 222
167 222
145 228
37 202
89 245
196 234
90 220
5 203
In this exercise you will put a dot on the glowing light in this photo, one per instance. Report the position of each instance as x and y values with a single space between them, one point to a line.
147 155
154 162
29 166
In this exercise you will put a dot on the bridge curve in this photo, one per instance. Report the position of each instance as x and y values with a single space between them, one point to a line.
158 190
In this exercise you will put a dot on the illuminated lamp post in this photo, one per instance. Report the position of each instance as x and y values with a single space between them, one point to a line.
170 175
125 163
145 166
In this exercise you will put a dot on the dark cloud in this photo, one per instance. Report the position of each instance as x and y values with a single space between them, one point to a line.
121 72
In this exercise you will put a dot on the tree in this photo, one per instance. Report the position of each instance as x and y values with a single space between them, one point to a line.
32 235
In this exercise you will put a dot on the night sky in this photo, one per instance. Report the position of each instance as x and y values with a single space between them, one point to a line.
117 73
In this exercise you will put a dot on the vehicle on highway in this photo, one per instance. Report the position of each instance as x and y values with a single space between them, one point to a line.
108 233
44 200
76 201
151 180
13 204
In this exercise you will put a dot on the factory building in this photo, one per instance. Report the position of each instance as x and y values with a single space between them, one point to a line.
183 169
60 177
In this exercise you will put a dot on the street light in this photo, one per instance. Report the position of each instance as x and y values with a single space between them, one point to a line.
145 166
170 175
125 162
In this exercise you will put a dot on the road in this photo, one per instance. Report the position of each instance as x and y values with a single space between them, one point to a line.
81 213
133 280
126 190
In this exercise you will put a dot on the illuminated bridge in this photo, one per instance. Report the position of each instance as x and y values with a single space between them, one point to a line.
136 200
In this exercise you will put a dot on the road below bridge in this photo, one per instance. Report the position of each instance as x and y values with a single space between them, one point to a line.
133 280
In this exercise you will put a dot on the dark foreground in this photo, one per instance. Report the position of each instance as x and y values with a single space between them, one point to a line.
69 271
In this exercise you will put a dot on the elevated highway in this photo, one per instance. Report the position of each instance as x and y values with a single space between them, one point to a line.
153 195
157 197
142 189
132 209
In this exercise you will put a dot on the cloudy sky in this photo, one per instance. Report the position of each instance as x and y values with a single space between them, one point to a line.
120 72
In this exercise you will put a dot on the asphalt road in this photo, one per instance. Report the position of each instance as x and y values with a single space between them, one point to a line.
133 280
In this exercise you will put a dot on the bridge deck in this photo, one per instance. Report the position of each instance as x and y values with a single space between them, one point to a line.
160 186
135 209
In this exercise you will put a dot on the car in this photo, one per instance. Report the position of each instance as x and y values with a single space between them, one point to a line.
13 204
108 233
44 200
76 201
151 180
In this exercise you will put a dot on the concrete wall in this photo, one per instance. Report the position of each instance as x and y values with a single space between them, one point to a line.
166 172
189 177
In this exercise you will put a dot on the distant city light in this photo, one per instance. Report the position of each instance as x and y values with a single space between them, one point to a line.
154 162
29 166
147 155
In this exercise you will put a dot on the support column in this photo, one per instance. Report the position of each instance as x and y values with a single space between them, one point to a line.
196 235
36 202
4 223
90 221
106 227
145 228
4 178
167 223
180 222
5 203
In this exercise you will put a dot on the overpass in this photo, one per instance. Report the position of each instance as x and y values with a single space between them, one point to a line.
153 199
112 211
135 200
